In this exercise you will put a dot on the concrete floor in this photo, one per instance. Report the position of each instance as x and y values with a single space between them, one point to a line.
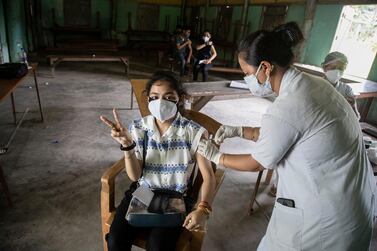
54 169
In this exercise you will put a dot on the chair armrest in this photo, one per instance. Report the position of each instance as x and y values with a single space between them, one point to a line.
195 239
108 188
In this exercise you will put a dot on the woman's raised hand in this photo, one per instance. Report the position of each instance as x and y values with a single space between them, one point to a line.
118 132
225 132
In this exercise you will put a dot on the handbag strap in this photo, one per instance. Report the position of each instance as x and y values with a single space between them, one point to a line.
145 144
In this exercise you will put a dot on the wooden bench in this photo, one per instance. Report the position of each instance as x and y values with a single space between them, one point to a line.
89 46
54 60
226 70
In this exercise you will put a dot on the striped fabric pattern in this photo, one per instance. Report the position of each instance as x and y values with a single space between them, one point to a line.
170 157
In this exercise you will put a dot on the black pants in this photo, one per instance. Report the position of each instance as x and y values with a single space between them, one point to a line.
122 234
203 68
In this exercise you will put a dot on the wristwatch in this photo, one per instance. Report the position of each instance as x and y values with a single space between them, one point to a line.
128 148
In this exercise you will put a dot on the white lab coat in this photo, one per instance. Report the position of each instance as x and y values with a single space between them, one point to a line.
347 92
311 136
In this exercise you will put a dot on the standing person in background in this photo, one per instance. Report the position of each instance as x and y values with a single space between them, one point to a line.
173 38
184 49
206 53
334 66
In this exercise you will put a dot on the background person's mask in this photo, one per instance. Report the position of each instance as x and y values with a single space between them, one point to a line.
162 109
260 90
205 39
334 75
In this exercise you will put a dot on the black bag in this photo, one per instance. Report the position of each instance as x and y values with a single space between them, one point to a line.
162 201
164 211
167 208
13 70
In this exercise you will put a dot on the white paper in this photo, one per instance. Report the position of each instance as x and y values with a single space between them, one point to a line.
202 61
241 84
143 194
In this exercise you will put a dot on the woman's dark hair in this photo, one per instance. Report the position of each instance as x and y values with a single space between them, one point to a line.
172 80
273 46
206 31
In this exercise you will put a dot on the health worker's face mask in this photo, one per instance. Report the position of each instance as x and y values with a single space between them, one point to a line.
162 109
205 39
334 75
257 89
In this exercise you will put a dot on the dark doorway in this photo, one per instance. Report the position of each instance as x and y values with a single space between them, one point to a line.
224 17
273 16
77 12
195 21
148 17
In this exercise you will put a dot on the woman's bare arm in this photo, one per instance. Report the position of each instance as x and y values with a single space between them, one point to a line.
240 162
133 165
213 54
209 180
251 133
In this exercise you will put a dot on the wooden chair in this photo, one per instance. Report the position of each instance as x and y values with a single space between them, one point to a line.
188 241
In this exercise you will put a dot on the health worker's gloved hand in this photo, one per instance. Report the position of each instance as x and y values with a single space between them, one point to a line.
209 151
227 132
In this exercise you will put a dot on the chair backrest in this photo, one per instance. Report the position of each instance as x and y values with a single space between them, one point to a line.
207 122
138 87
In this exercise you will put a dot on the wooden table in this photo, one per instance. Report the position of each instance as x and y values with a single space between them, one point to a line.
236 71
370 127
7 87
318 71
253 199
364 90
57 59
202 92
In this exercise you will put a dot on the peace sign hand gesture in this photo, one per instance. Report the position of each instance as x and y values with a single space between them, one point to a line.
118 132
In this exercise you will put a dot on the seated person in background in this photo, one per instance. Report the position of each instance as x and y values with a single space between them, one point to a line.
170 159
206 53
333 66
184 49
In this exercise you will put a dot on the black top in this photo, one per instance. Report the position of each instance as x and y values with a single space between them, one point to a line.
205 52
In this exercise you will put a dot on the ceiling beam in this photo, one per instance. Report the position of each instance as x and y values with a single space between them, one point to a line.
277 2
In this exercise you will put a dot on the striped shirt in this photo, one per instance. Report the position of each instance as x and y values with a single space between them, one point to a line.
170 157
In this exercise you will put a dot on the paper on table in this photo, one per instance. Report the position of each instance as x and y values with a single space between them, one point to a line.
241 84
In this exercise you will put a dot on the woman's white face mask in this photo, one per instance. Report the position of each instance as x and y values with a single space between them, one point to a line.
257 89
162 109
205 39
334 75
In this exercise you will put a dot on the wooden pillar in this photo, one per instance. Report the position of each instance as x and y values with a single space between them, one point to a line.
242 29
183 12
129 20
113 27
243 19
205 19
310 9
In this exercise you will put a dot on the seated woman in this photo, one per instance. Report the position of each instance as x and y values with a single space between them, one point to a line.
334 65
206 53
169 162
